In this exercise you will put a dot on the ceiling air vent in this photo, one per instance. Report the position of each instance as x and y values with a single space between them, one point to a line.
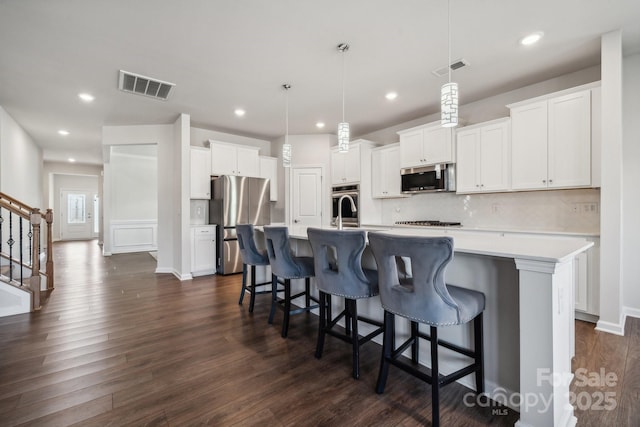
142 85
455 65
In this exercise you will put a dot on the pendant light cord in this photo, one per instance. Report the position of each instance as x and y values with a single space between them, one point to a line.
449 37
343 79
286 87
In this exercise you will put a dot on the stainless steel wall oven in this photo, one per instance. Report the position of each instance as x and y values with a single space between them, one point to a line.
349 218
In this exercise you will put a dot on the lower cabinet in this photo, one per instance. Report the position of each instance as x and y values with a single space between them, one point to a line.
203 250
587 285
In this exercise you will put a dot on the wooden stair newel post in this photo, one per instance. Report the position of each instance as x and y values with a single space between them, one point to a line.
49 266
36 217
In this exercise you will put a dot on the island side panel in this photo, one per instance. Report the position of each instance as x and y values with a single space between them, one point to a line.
546 318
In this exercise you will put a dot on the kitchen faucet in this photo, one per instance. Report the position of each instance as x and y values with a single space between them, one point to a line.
353 209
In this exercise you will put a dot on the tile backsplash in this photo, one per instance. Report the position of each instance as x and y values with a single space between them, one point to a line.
199 212
552 210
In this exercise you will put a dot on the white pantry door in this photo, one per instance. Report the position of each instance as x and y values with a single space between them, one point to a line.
76 214
306 196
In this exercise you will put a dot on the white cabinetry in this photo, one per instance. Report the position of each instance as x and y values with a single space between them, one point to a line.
203 250
483 157
551 142
586 277
426 145
234 159
269 170
345 167
385 172
587 287
358 159
200 173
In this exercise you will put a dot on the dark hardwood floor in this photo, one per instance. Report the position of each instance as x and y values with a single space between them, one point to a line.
116 344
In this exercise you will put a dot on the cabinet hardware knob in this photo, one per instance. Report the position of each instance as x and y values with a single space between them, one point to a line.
550 181
544 181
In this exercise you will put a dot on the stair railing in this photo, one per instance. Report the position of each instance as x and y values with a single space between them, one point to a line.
20 224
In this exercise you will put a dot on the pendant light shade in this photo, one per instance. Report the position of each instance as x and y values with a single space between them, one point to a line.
449 105
449 91
286 147
343 137
343 127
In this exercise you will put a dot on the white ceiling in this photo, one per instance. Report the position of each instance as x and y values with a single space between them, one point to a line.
227 54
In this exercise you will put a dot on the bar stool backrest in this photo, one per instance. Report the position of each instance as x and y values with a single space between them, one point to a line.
282 261
337 256
251 255
423 296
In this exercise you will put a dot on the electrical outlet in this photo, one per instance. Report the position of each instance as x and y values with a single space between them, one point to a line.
586 208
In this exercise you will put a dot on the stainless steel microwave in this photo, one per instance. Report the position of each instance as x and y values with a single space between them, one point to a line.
441 177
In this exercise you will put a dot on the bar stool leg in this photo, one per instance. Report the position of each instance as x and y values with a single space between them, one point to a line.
347 318
253 288
274 297
322 323
244 283
307 292
435 379
388 343
287 307
355 342
415 345
479 353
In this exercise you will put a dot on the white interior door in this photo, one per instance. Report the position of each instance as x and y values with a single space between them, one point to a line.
306 196
77 214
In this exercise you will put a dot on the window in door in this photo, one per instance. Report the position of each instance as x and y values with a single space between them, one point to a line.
76 209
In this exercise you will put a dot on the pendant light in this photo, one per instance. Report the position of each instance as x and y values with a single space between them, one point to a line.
449 91
286 147
343 127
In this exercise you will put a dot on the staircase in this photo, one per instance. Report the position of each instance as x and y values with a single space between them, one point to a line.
22 256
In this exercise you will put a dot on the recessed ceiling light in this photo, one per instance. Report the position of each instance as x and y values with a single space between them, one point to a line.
86 97
320 125
532 38
63 132
239 112
71 159
391 96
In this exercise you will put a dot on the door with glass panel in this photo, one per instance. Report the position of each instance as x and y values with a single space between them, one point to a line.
77 214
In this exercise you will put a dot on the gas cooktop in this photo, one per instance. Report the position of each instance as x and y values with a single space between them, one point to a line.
430 223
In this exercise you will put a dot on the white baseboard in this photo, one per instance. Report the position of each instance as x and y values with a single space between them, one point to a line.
182 277
612 328
161 270
631 312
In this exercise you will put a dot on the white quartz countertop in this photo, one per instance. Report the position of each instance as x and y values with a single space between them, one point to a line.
495 230
533 248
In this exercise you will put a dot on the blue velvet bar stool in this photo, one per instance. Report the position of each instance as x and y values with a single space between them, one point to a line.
286 266
424 297
251 257
337 258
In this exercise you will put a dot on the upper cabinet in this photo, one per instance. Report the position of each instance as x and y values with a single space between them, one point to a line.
200 173
269 170
385 172
345 167
426 145
551 142
234 159
483 157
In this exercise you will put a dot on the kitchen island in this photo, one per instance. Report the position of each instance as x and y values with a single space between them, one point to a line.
529 320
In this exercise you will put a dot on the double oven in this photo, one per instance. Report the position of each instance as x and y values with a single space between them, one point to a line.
349 218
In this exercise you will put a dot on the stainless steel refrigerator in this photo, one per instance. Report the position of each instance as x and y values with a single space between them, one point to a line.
236 200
